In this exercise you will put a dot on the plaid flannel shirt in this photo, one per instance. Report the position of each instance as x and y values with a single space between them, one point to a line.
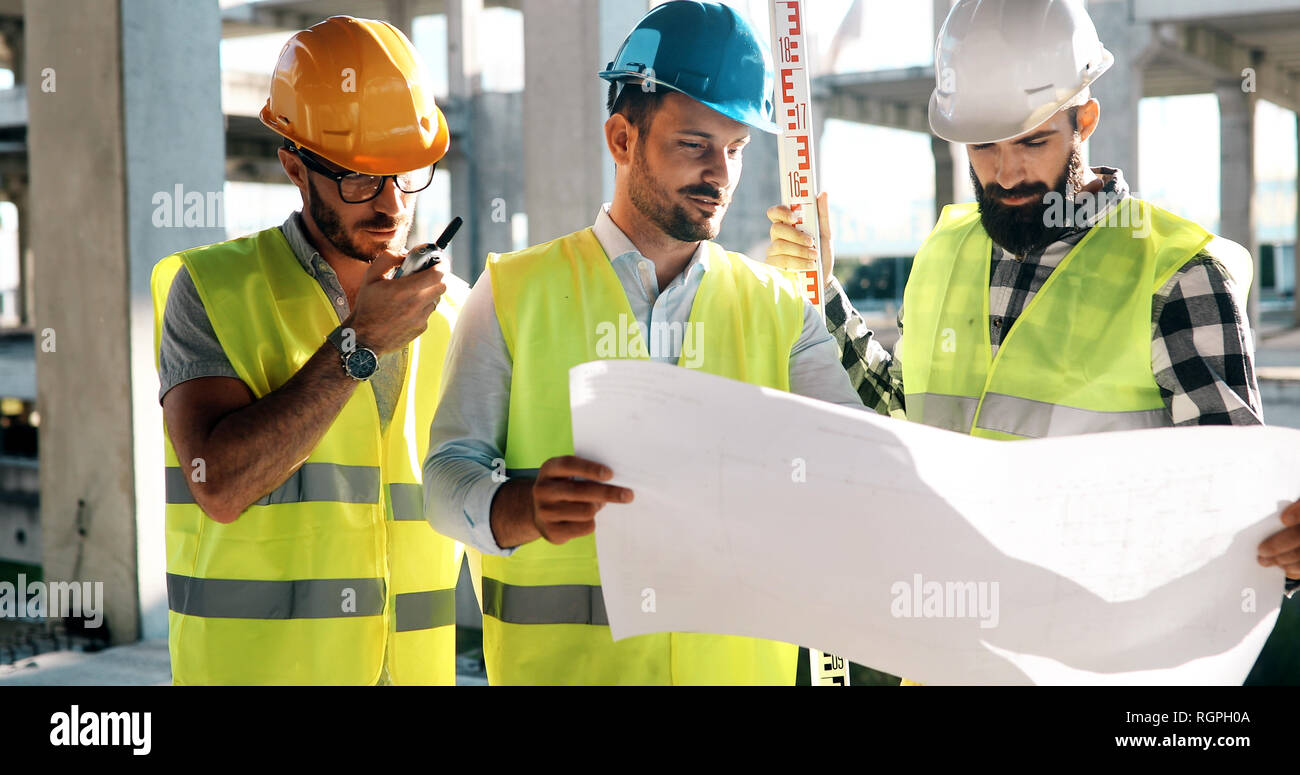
1202 354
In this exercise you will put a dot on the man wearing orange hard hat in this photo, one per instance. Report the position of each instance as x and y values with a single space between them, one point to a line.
298 381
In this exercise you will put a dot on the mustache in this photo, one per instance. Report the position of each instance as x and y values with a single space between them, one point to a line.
382 222
706 191
995 191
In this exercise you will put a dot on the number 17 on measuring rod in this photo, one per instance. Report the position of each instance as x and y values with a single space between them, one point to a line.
799 193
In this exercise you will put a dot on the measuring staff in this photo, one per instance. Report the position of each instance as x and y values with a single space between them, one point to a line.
798 170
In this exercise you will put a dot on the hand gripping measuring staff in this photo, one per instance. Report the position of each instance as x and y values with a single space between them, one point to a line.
799 192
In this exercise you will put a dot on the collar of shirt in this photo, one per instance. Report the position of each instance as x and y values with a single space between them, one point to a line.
313 263
311 259
1089 210
620 250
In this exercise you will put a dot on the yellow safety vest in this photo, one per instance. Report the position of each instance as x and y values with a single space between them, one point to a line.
316 579
1077 360
558 303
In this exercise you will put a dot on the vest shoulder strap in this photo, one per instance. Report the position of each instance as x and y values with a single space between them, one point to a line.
514 274
745 269
454 299
1177 240
1238 265
956 215
755 279
251 287
220 260
540 257
160 285
227 262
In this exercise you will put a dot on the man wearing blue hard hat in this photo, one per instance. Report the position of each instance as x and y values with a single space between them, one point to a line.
644 281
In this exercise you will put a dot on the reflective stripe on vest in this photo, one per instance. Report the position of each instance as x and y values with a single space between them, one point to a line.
1025 417
544 617
311 482
425 610
554 604
1077 360
407 501
306 599
359 571
258 599
956 413
1038 419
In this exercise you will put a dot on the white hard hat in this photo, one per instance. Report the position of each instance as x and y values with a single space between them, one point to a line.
1002 67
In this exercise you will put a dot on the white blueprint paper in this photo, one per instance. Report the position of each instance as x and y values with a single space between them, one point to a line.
1105 558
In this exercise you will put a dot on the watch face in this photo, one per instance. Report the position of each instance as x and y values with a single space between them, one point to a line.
362 363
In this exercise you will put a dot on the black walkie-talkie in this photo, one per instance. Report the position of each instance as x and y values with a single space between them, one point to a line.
424 256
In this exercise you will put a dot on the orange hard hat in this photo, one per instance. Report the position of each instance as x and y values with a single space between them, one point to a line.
355 92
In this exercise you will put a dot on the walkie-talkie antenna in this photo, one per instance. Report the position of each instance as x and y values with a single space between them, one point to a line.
445 239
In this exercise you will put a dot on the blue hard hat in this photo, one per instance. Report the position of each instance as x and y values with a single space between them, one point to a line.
706 51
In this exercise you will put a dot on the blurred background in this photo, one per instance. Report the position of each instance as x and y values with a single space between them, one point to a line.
128 131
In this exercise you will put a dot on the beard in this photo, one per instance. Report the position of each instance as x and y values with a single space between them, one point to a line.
672 219
330 224
1022 228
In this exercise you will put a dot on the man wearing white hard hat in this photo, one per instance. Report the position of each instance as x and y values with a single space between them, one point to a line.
1057 303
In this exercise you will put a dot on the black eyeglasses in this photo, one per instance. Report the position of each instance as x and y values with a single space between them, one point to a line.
357 187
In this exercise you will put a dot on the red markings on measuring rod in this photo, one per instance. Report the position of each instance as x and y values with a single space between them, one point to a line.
794 118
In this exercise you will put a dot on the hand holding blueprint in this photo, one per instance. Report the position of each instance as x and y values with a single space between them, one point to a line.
1107 558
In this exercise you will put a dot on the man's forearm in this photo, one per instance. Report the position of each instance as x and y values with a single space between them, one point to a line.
512 514
867 363
253 450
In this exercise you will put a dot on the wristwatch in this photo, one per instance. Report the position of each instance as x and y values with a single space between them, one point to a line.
359 363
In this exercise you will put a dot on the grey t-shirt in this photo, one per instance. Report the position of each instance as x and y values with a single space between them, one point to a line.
189 347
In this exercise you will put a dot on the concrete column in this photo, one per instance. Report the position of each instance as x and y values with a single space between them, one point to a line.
464 82
401 15
487 181
1119 90
1237 175
951 174
497 184
463 71
133 121
943 174
951 164
568 172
